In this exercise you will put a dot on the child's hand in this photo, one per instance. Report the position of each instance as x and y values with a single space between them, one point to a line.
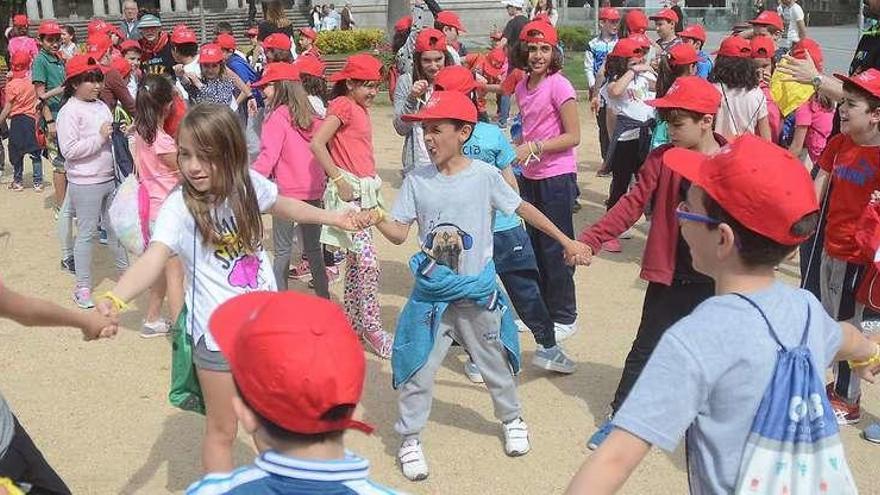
178 70
252 108
578 253
523 153
594 105
419 88
97 326
352 220
106 129
875 197
639 68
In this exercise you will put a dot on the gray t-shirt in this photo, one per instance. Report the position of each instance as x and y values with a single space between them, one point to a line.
455 212
709 373
7 426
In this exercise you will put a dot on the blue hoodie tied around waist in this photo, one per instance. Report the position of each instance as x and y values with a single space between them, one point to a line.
435 287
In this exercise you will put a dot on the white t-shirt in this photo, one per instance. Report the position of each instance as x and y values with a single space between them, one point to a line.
632 102
740 110
191 68
220 272
790 17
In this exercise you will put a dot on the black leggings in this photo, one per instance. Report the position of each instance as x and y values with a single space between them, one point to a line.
625 165
23 463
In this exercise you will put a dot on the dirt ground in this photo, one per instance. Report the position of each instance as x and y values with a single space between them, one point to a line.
99 411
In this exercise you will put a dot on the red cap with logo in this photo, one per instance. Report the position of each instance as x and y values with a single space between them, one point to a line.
627 48
636 21
430 39
768 18
48 28
767 195
20 20
609 14
809 45
294 358
308 33
97 26
455 78
361 67
278 41
690 93
683 54
642 40
277 71
762 47
403 24
183 36
539 32
451 19
735 46
311 65
20 61
665 15
493 64
226 41
129 45
868 80
80 64
121 65
210 54
98 45
694 32
445 105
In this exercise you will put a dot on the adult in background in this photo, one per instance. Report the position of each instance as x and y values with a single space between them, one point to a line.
155 47
276 21
129 22
794 21
347 18
315 17
331 19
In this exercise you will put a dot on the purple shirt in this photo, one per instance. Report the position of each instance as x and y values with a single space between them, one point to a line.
541 110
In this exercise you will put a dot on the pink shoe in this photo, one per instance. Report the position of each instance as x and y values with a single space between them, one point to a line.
612 246
380 342
301 272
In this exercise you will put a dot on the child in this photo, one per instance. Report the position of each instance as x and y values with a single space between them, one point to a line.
850 164
68 46
413 90
297 416
307 45
311 74
450 24
763 48
664 23
21 108
743 104
767 23
48 78
695 35
681 61
84 126
344 147
455 277
277 48
131 53
594 61
212 223
215 84
285 155
115 90
674 288
19 38
813 120
550 133
723 357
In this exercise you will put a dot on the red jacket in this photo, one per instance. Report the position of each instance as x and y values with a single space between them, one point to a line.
661 186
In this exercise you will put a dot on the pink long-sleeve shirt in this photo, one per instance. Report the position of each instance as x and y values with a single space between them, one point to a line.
88 155
285 155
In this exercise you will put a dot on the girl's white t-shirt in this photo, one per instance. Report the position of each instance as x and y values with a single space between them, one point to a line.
740 110
632 102
214 274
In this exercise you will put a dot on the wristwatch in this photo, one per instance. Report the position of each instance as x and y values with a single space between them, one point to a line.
816 81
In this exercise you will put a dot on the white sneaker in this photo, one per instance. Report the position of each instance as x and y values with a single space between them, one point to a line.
412 460
472 372
627 234
564 330
521 326
516 438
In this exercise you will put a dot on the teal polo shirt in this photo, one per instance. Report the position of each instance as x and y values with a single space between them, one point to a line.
49 70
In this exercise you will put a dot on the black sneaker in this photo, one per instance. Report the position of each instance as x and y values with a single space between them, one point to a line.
68 264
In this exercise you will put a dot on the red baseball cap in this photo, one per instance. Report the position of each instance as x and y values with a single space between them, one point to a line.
403 24
210 54
683 54
762 47
609 14
121 65
690 93
96 26
694 32
627 47
455 78
868 80
450 18
665 15
20 61
20 20
277 71
180 26
764 187
80 64
809 45
445 105
636 21
183 36
98 45
642 40
735 46
309 33
294 358
430 39
129 45
311 65
226 41
493 64
768 18
278 41
539 32
360 67
48 28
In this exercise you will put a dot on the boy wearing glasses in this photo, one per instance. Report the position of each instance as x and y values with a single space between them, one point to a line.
674 287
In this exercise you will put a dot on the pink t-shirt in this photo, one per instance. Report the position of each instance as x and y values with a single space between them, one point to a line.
774 115
23 44
158 179
819 121
285 155
352 145
541 110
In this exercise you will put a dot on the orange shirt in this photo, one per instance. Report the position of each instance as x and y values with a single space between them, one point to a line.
855 174
21 95
352 146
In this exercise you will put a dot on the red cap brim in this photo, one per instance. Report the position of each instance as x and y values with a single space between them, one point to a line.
855 81
230 318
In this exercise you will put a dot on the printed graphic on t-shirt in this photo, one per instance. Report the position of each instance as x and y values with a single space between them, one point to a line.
445 243
859 173
243 267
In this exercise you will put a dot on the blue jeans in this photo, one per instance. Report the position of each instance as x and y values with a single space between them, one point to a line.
503 109
18 167
518 269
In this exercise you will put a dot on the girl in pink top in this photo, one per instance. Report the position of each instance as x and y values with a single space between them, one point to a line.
551 131
344 147
156 160
813 121
286 157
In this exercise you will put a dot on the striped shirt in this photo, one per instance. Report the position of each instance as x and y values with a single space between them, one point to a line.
277 474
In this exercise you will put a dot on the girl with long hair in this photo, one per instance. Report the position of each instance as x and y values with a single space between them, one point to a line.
743 104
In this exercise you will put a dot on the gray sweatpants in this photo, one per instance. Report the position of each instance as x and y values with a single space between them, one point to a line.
65 227
282 237
478 331
90 201
838 283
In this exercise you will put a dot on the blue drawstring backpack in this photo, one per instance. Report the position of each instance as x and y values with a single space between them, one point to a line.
794 446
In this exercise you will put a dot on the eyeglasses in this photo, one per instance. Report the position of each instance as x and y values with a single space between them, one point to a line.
683 214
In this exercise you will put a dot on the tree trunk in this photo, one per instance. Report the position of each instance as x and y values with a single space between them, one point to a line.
396 10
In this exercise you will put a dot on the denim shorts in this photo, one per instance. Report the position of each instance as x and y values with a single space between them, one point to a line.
209 360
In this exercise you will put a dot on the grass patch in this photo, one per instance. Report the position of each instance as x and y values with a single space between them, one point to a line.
574 69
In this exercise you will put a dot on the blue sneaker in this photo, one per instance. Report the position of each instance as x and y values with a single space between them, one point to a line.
102 236
872 433
601 434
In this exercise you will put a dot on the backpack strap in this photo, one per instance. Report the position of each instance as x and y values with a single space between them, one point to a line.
804 335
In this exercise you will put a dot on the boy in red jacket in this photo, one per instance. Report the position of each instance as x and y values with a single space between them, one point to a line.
674 287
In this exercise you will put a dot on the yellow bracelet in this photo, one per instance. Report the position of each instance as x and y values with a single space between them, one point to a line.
382 214
337 179
118 303
875 359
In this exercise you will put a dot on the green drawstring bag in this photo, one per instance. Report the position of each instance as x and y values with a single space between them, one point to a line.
185 393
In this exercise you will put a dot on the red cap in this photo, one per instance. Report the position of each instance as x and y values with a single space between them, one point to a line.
445 105
360 67
493 64
121 65
768 18
809 45
868 80
277 71
252 31
642 40
609 14
683 54
80 64
430 39
20 61
403 24
20 20
762 47
455 78
294 357
627 47
450 18
636 21
97 26
183 36
666 15
694 32
129 45
309 33
690 93
539 32
210 54
311 65
735 46
226 41
278 41
180 26
98 45
767 196
48 28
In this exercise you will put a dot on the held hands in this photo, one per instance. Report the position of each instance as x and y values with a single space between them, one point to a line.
353 220
102 323
577 253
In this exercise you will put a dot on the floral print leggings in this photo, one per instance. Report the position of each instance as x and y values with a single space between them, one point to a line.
361 295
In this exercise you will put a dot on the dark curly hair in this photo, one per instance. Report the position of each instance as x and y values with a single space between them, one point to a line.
521 59
615 67
315 86
668 73
735 73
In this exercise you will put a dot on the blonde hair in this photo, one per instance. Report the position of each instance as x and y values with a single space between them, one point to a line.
292 94
217 137
275 14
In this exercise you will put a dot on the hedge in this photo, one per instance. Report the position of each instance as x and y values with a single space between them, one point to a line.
351 41
574 38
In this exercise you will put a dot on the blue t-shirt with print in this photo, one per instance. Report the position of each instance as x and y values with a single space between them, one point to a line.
488 144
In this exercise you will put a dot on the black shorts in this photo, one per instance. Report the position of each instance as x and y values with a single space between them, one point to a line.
24 464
